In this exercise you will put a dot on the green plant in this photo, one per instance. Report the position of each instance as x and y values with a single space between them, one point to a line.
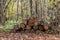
9 24
19 21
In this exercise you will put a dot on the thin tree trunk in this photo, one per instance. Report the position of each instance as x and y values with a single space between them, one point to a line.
6 5
21 10
2 13
31 6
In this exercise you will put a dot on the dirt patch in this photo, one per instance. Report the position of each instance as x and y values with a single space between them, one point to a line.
28 36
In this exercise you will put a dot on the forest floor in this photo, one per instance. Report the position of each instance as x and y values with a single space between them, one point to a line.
28 36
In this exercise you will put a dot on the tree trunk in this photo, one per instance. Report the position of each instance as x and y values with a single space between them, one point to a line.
2 13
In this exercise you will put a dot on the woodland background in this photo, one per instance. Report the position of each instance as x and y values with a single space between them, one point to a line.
12 11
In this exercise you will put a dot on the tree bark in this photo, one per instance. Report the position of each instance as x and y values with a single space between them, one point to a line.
2 13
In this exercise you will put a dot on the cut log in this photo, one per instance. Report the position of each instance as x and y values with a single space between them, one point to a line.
22 25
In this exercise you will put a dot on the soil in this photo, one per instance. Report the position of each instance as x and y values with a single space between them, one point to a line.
38 35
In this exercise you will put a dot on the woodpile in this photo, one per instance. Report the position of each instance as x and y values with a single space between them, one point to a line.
31 23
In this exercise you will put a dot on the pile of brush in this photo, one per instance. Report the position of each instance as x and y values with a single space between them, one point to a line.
32 23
